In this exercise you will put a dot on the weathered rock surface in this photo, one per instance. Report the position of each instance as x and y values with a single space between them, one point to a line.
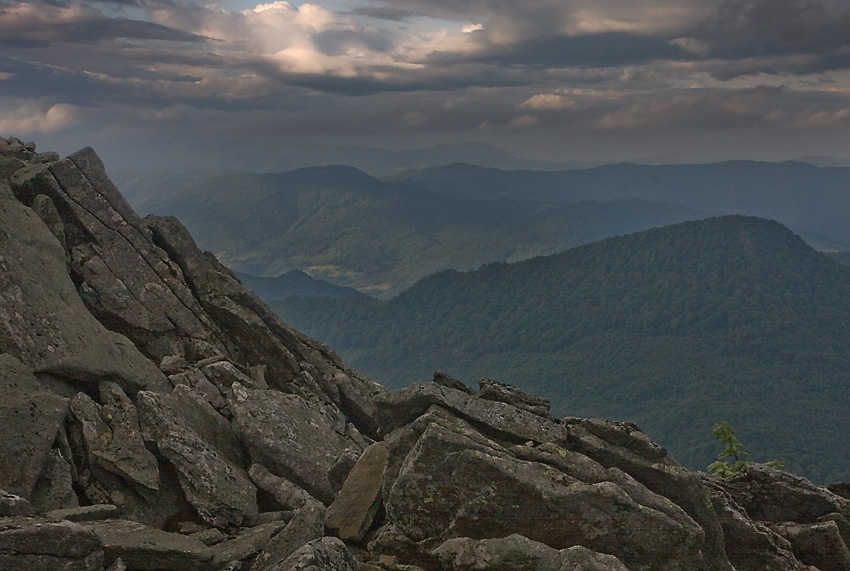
31 419
43 321
143 382
145 548
319 555
211 475
294 438
518 553
38 544
353 511
494 390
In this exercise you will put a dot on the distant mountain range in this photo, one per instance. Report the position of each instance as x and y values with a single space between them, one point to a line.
813 201
373 160
346 227
675 328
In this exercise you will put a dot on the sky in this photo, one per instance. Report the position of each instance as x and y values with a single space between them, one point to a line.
144 81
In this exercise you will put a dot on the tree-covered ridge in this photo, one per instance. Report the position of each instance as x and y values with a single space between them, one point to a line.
727 318
343 226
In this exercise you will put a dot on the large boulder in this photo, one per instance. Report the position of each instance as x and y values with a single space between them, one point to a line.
198 442
450 486
38 544
293 437
518 553
43 321
123 278
31 417
353 511
144 548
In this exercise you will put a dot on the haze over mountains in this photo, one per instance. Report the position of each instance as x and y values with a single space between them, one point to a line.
344 226
381 236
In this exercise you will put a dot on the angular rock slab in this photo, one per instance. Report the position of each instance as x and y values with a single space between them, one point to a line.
213 482
319 555
353 511
112 438
145 548
38 544
448 487
518 553
750 544
43 321
31 418
305 526
294 438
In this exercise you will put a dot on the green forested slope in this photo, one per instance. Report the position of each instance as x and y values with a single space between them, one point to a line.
343 226
675 328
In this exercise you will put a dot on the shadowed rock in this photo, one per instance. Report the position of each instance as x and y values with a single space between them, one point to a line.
31 419
43 322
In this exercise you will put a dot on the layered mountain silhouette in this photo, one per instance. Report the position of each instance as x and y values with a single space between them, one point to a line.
343 226
675 328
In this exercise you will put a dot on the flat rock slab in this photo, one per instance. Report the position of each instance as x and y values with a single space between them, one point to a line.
518 553
295 438
145 548
213 482
38 544
354 509
31 419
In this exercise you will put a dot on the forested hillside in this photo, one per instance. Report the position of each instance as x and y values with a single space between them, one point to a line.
345 227
675 328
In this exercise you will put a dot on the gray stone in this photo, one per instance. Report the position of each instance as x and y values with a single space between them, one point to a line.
249 543
38 544
223 374
31 420
817 544
518 553
496 391
449 486
447 381
623 446
750 544
13 505
43 321
305 526
144 548
353 511
495 418
325 554
194 438
96 512
54 489
288 495
777 496
292 437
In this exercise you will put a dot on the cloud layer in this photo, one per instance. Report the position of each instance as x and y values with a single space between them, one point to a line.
547 77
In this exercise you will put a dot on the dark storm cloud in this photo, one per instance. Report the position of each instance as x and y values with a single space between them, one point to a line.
41 22
383 13
745 32
593 50
336 42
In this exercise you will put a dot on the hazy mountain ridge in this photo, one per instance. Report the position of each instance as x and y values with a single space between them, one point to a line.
343 226
811 200
676 328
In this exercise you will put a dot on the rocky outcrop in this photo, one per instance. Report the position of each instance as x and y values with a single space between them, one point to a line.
157 415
